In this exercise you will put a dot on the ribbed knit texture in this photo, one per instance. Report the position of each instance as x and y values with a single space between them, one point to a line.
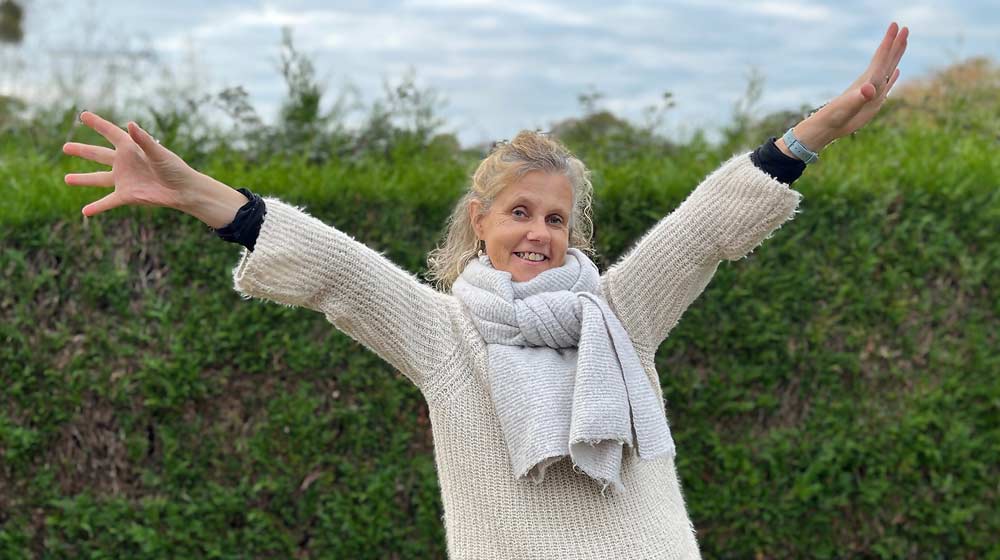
427 336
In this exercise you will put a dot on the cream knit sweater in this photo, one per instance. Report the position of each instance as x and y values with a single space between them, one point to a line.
428 336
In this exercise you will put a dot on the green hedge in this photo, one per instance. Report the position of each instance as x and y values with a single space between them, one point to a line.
834 394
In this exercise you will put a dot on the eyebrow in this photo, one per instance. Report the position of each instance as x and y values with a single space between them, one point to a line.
521 199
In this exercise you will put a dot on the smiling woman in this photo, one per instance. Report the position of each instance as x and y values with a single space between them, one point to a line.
529 195
540 375
525 229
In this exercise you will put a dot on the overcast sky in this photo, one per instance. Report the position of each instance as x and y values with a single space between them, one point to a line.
503 65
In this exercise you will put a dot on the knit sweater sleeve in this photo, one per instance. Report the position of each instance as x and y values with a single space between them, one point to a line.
300 261
731 212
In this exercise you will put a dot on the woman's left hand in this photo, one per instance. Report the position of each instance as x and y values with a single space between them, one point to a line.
862 100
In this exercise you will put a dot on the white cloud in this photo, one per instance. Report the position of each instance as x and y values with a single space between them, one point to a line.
562 16
790 10
507 65
227 25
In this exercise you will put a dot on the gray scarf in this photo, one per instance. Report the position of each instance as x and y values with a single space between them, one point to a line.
563 374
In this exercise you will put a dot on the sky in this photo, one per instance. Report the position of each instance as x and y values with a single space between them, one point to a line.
501 66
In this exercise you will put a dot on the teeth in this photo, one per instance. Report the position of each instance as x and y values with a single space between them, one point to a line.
531 256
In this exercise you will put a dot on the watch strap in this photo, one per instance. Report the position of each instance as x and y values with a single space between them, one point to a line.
796 147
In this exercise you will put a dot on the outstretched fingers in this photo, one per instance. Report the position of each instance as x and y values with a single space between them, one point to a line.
106 129
96 179
899 47
892 82
103 205
149 145
882 53
100 154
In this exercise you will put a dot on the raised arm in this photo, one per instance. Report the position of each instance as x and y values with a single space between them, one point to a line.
733 210
297 260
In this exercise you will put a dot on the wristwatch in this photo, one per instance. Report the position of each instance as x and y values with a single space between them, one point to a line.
797 148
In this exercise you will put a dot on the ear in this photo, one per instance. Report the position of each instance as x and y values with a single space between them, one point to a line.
475 218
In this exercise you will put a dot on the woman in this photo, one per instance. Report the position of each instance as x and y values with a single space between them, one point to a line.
551 437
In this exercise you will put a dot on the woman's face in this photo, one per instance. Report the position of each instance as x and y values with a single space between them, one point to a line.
529 216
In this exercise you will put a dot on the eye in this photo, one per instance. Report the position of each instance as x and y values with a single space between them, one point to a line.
519 212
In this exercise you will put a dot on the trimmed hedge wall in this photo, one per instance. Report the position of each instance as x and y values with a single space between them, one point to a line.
834 394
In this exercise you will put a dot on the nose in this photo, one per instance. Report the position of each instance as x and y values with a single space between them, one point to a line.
539 232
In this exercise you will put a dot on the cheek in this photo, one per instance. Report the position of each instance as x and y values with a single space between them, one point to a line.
501 240
558 247
563 240
510 234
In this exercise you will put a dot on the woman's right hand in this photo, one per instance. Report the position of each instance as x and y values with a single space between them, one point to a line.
143 173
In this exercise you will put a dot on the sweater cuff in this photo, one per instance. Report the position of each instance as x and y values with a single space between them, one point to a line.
771 160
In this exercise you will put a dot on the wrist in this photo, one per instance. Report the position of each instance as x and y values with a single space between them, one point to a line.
780 143
811 133
213 202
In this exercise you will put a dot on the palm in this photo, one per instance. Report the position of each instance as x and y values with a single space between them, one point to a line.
863 99
143 173
874 90
863 116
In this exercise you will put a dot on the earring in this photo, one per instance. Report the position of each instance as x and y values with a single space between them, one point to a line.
482 247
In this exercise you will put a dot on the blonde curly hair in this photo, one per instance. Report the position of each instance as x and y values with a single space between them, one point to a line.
506 163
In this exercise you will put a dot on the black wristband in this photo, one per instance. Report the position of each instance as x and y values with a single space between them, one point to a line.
770 159
246 224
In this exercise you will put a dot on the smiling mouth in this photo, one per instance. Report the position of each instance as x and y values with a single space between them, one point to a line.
524 260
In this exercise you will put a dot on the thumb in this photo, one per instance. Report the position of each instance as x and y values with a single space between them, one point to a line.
867 92
145 141
107 203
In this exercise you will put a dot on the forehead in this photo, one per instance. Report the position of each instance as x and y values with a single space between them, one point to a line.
540 189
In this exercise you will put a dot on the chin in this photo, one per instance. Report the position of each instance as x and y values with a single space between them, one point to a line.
525 276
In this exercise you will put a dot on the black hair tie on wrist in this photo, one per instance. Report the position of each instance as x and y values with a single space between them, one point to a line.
769 158
246 224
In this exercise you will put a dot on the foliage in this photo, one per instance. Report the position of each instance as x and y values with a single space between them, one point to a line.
600 135
834 394
11 22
